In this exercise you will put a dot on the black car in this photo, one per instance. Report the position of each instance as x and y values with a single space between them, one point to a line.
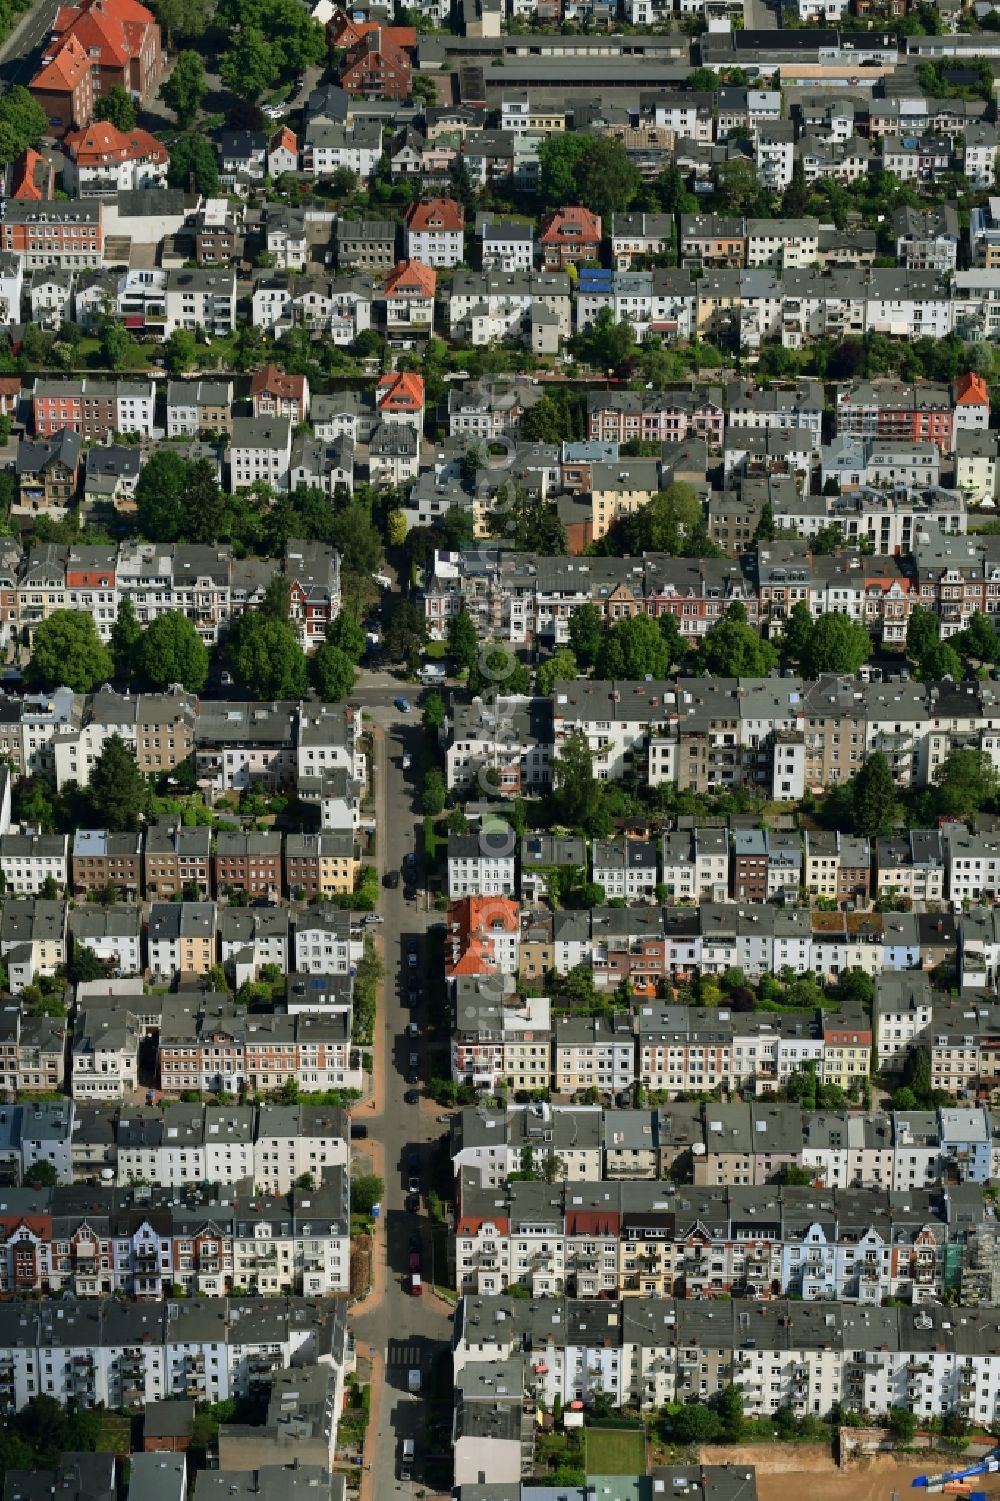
391 879
412 1203
411 1097
409 893
413 997
415 1243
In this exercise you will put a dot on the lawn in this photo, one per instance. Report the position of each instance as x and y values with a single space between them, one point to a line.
615 1451
116 1433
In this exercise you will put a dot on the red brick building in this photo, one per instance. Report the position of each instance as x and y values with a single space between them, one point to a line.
378 66
64 87
54 234
112 42
570 234
275 394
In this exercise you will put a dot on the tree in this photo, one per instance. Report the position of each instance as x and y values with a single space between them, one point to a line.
574 786
159 496
666 524
22 123
85 966
205 510
116 342
798 631
461 185
941 660
693 1424
125 635
733 649
434 711
186 18
607 344
395 528
634 649
346 633
265 657
546 422
874 798
405 632
836 644
560 667
738 183
923 630
250 65
43 1174
979 639
964 781
180 351
586 632
366 1191
118 790
589 169
171 651
185 89
332 672
902 1424
194 165
729 1405
67 650
117 107
463 643
434 794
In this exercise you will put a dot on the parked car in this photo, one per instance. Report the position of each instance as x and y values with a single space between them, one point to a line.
359 1131
416 1286
403 705
413 1184
407 761
411 1097
412 1203
414 1261
391 879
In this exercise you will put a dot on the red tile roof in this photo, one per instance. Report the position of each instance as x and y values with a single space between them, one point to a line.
111 31
286 137
102 143
31 177
277 383
971 390
573 224
343 32
412 278
435 213
402 391
65 69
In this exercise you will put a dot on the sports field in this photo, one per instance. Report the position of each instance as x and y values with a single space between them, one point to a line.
615 1451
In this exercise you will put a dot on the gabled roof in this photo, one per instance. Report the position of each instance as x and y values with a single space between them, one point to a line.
435 213
285 136
67 68
277 383
573 223
31 177
402 391
111 32
103 143
971 390
413 278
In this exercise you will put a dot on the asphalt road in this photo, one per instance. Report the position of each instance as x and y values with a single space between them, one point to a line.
21 52
408 1332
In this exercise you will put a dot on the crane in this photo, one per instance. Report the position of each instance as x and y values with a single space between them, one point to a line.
950 1480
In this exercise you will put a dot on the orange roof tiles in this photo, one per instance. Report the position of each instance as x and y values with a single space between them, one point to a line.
113 30
102 143
286 137
275 381
471 924
402 391
971 390
435 213
572 223
411 279
64 70
344 32
31 177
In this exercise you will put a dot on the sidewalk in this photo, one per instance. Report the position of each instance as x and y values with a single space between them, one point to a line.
367 1488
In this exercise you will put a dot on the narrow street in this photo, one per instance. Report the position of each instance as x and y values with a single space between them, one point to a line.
401 1332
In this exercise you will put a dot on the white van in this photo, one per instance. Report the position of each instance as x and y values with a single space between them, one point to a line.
408 1450
413 1379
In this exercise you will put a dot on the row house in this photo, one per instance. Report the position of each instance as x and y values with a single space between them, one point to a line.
620 1239
653 1349
106 1352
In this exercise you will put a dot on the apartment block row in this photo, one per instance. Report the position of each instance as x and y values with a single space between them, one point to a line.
644 1353
168 859
208 585
120 1354
615 1239
233 744
144 1242
176 1146
735 1145
785 735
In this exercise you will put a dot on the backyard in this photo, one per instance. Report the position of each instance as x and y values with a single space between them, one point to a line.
615 1451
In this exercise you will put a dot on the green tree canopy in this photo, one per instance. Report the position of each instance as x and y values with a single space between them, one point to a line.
366 1191
586 632
979 639
118 790
171 651
159 495
798 631
463 643
560 667
348 635
574 785
589 169
116 344
964 782
874 798
265 657
22 123
180 351
186 18
117 107
125 635
836 644
734 649
634 649
193 161
332 672
251 64
68 651
922 632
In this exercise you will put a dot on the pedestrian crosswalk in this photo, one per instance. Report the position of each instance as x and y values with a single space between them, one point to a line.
401 1352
